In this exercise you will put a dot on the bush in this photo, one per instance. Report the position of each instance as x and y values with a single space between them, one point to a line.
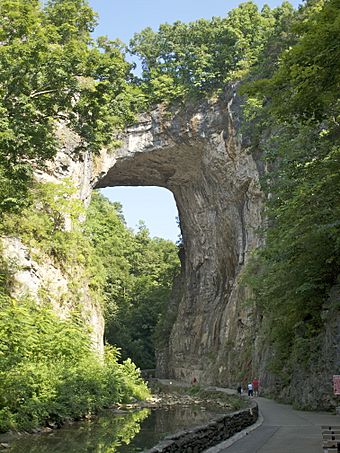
49 373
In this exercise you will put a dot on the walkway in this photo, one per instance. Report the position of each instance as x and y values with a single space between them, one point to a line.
284 430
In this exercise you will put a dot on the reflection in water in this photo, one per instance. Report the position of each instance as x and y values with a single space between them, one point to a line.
101 435
112 433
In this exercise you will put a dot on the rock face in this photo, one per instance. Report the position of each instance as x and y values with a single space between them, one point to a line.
198 155
311 383
43 279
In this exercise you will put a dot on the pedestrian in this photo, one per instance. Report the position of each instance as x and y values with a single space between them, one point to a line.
239 389
250 389
256 384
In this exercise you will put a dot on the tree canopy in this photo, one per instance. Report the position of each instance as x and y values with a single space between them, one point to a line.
199 58
53 73
295 115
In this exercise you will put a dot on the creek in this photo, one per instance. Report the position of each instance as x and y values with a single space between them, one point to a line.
115 432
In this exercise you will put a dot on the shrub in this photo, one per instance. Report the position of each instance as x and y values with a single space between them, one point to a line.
48 371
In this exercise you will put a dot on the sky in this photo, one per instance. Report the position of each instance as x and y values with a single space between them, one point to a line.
121 19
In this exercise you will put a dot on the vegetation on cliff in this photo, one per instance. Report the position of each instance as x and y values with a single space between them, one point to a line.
49 372
296 95
52 73
184 61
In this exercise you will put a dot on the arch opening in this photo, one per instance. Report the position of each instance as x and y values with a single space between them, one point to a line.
155 206
140 269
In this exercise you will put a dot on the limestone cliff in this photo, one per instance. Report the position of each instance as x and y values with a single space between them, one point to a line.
37 275
198 154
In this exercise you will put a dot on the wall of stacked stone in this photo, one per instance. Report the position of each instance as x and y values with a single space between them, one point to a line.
198 439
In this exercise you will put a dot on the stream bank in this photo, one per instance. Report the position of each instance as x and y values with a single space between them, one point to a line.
128 429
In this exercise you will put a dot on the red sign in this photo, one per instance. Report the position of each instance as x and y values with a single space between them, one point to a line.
336 384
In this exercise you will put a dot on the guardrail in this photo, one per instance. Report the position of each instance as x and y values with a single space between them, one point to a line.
331 439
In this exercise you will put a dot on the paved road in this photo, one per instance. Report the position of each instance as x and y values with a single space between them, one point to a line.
284 430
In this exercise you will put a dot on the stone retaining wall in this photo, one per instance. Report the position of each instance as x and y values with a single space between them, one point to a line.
200 438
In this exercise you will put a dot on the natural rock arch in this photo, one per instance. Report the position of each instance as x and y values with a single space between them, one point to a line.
197 153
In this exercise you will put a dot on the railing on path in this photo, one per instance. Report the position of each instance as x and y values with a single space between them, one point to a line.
331 439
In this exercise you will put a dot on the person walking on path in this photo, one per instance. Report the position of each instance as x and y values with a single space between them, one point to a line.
250 389
256 384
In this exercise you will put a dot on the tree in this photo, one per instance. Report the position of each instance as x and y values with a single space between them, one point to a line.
198 59
52 73
306 82
296 114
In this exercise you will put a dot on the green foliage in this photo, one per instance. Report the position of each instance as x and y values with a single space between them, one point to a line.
50 224
196 59
15 182
49 372
47 367
297 100
130 273
195 390
52 73
306 82
138 273
51 227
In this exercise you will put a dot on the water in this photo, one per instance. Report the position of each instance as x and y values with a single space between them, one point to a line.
114 433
